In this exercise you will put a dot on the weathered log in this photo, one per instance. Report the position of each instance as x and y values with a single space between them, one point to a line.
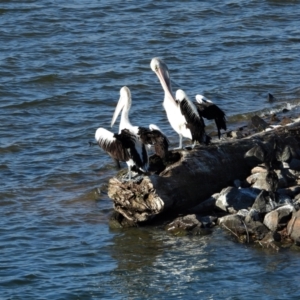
197 175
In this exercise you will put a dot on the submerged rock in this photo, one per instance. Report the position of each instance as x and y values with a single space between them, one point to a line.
191 224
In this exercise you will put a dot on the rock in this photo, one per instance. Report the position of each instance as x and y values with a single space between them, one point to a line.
269 241
243 213
257 229
259 123
117 220
254 225
271 98
259 181
283 200
190 224
282 182
237 183
293 228
294 164
264 203
232 199
207 205
245 229
208 221
235 134
234 223
278 216
272 181
253 215
290 191
258 169
285 120
257 153
289 176
284 153
274 118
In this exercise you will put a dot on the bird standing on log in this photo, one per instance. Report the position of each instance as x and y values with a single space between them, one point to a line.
180 122
194 122
210 111
151 136
126 145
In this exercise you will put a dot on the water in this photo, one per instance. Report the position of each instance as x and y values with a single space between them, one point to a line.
62 65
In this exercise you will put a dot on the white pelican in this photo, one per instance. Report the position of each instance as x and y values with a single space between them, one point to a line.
210 111
181 123
152 136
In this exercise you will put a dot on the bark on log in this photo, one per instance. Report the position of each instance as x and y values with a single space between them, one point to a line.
198 174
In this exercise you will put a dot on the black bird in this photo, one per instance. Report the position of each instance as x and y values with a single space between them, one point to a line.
210 111
154 137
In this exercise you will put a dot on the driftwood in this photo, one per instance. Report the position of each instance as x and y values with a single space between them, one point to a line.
197 175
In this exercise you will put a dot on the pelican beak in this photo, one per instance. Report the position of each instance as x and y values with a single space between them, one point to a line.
118 109
164 77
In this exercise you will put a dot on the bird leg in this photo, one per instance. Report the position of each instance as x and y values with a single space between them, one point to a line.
135 178
180 143
127 177
191 147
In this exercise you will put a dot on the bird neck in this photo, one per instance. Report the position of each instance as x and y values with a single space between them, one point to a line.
124 122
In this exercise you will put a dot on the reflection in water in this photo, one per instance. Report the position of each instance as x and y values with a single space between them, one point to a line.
151 262
136 248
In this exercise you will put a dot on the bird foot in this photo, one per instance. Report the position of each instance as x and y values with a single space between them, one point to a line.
190 147
135 177
138 178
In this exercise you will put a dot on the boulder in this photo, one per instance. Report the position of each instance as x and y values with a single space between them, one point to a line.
232 199
277 217
293 228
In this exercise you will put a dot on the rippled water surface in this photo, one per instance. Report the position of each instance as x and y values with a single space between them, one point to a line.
62 64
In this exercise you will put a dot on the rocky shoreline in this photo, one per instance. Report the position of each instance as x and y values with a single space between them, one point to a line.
264 208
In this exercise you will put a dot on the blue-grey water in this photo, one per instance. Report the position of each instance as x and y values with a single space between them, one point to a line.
62 64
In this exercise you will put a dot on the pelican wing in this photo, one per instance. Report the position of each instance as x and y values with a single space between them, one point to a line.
156 138
112 144
194 121
189 111
136 148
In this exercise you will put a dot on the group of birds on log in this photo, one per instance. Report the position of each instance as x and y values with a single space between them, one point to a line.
186 118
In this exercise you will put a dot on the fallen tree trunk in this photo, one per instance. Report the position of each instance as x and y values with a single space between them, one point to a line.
197 175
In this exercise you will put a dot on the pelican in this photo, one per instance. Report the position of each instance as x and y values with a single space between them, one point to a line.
208 110
184 124
124 146
151 137
194 122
